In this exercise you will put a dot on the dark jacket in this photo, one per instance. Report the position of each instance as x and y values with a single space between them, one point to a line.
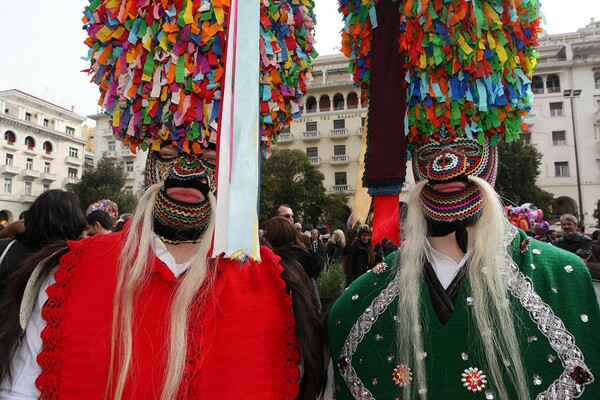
578 241
357 260
334 250
17 253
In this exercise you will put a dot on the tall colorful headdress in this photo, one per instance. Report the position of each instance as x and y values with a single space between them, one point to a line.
460 69
165 70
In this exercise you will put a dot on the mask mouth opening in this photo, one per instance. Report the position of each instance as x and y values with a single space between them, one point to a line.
197 183
459 178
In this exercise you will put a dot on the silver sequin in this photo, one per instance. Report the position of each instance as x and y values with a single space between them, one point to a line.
569 268
584 318
537 380
536 251
464 356
489 395
551 358
469 301
355 297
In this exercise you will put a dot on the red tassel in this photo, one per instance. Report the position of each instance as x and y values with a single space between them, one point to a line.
386 219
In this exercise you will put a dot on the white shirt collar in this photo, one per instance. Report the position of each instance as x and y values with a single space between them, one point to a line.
159 248
445 268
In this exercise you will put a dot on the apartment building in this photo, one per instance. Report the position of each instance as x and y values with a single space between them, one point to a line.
101 143
41 148
330 129
565 119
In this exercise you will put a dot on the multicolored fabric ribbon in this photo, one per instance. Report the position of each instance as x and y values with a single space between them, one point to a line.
159 66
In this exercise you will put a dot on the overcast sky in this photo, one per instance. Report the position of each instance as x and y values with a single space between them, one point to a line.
42 45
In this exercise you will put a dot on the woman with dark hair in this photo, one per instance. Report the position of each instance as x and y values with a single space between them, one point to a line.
360 255
55 215
301 268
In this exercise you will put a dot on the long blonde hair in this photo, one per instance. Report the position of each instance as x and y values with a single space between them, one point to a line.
493 315
133 274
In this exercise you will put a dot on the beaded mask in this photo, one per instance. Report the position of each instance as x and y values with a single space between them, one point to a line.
452 161
177 221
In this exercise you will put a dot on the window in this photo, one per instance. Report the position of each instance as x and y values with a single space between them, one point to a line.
311 105
597 80
339 150
324 103
338 101
553 83
27 116
340 178
29 142
561 168
129 189
312 152
27 190
9 159
7 185
73 152
72 173
9 137
556 109
559 138
46 122
112 145
47 167
45 187
598 104
311 126
339 123
352 100
285 130
29 163
525 137
70 130
537 85
362 121
129 166
48 147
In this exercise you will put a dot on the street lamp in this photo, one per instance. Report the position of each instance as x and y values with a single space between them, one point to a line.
570 94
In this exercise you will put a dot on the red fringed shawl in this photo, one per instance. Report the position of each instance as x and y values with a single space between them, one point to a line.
242 341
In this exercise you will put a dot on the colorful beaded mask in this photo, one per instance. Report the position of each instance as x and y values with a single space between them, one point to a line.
453 161
176 221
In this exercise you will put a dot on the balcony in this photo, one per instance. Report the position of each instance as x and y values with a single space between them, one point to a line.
339 160
338 133
9 145
597 116
129 175
284 137
126 153
30 151
9 170
361 131
106 132
316 161
48 177
340 188
110 154
48 155
27 198
73 160
311 135
30 174
69 181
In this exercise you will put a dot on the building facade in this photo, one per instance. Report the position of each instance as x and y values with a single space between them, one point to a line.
565 119
41 148
102 144
331 127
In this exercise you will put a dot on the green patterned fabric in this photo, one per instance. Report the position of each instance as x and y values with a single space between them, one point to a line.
559 278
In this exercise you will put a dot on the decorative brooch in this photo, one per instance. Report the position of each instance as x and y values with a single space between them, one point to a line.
379 268
402 375
474 379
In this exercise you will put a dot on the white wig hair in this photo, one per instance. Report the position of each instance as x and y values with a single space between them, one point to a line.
133 274
494 320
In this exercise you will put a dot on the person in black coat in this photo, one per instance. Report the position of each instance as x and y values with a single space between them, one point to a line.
360 255
55 215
